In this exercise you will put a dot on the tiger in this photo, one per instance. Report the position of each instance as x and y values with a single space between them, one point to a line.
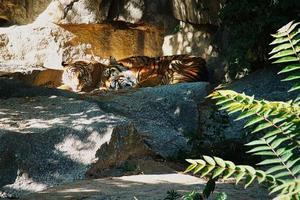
144 71
82 75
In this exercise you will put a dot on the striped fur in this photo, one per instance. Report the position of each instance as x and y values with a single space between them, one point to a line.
82 75
164 70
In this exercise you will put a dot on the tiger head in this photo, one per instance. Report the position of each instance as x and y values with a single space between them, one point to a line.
77 75
117 76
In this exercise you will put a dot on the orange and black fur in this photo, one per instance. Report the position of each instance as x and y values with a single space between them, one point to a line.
82 76
166 69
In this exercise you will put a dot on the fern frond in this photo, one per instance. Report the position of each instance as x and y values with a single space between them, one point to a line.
226 169
281 123
287 50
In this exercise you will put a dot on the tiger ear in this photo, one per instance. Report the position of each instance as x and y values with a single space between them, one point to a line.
112 61
90 66
64 63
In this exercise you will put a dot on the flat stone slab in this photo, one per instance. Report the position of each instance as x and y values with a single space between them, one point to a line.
142 187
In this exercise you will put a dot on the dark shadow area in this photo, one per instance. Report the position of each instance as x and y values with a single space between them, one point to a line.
10 88
47 136
5 22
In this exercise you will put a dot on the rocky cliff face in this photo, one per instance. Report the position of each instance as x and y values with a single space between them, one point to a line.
25 48
70 29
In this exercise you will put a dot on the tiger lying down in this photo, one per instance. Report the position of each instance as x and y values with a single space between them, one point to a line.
133 72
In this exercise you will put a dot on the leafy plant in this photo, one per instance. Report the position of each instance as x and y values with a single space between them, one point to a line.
172 195
221 196
246 47
192 196
279 122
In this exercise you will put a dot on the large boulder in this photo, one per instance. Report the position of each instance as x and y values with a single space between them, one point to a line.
22 11
25 48
50 136
221 135
199 41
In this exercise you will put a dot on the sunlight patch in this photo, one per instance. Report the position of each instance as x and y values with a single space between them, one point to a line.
83 150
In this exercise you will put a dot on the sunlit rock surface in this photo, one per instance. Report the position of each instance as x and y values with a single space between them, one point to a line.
197 40
144 187
25 48
50 136
198 11
22 11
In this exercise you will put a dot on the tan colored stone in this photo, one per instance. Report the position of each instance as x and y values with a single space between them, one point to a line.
22 11
120 40
144 187
24 48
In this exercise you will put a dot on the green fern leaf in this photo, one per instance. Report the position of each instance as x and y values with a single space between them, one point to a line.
283 30
292 77
207 170
284 53
280 40
296 169
278 142
218 171
220 162
289 68
249 180
259 149
286 59
282 174
256 142
229 164
228 173
275 169
261 176
209 160
190 168
264 153
254 120
262 126
198 168
239 176
295 87
269 161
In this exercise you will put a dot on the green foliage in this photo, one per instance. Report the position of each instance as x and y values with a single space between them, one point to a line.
287 50
249 24
221 196
278 122
192 196
172 195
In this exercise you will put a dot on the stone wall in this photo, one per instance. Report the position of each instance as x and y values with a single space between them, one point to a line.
70 29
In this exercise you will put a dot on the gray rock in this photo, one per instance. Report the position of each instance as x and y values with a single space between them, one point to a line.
220 134
198 11
199 41
50 136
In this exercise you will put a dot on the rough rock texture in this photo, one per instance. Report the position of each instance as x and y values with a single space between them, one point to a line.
199 41
83 11
22 11
50 136
125 143
25 48
228 135
198 11
145 187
